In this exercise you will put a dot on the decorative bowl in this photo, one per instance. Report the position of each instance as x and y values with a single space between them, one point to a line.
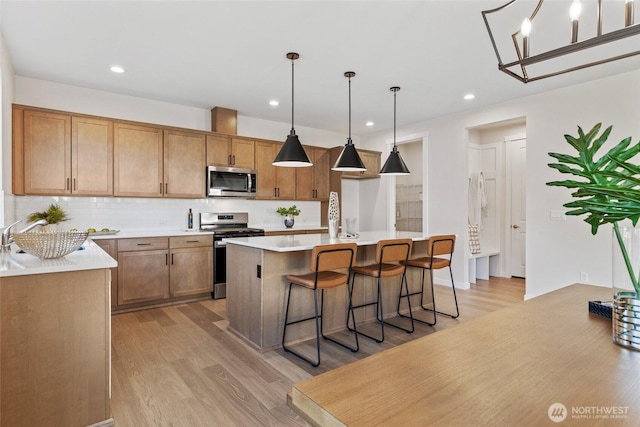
53 244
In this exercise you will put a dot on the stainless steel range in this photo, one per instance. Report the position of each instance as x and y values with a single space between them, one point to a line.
224 226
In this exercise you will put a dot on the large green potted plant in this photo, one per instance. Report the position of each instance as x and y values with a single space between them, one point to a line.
607 190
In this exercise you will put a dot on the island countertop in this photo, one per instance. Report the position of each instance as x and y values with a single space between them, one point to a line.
304 242
22 264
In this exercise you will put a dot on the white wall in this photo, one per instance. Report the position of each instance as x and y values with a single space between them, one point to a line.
7 76
556 251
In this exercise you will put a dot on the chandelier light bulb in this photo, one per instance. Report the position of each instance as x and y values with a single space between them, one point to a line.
575 10
525 28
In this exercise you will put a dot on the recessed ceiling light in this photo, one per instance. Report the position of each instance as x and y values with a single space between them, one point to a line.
469 96
117 69
274 103
369 123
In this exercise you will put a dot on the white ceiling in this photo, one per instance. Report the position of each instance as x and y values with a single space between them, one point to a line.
232 54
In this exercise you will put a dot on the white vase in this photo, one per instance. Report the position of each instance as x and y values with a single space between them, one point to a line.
333 215
626 301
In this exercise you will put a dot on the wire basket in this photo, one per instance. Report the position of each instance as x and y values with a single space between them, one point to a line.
48 245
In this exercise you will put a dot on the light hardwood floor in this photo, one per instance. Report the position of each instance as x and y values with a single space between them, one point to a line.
178 366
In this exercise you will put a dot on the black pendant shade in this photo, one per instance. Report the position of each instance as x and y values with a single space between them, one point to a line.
349 160
292 154
394 164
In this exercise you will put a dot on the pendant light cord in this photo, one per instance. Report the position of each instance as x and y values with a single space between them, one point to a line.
394 119
292 98
349 109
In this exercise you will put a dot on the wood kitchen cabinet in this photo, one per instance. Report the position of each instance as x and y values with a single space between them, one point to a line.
62 154
110 247
184 164
273 182
229 151
138 161
157 270
191 265
143 270
312 183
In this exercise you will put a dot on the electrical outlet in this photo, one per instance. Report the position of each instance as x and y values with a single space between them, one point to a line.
584 276
259 272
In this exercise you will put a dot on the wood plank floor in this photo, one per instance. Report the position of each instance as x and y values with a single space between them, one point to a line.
178 366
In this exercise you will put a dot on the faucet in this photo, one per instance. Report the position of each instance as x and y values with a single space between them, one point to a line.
7 240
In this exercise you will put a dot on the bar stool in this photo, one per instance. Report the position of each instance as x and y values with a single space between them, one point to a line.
324 259
436 245
391 258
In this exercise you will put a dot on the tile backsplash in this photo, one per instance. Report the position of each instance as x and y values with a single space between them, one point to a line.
132 214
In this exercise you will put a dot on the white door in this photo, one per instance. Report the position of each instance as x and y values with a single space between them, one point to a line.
517 155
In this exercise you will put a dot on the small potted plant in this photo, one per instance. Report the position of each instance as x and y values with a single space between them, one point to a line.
288 214
53 215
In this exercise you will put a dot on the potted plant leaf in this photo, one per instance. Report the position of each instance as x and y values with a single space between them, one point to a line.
288 214
607 190
53 215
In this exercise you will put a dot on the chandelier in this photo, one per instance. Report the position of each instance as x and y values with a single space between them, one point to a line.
558 37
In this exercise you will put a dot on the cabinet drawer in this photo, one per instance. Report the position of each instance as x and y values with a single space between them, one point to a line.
191 241
143 244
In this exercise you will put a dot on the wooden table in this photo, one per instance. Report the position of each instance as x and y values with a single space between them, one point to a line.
504 369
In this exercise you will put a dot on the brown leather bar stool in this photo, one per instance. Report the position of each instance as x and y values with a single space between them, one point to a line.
436 245
391 256
324 259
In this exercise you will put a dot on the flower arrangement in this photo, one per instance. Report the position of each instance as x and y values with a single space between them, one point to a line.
609 187
292 210
53 215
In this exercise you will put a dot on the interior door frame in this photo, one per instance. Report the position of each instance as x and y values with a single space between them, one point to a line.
507 198
422 137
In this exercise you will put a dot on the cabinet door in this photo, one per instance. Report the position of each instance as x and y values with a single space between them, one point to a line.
138 161
321 169
184 164
109 246
218 150
371 161
143 276
304 178
91 157
191 271
285 182
242 153
265 153
47 153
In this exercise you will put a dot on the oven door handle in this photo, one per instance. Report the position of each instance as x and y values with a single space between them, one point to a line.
219 244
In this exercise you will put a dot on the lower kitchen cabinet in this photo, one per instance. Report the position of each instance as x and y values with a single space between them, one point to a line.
191 269
109 246
157 270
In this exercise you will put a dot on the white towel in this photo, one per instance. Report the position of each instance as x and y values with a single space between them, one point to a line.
477 198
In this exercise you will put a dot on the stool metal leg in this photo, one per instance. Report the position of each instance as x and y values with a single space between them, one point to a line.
421 293
326 337
317 319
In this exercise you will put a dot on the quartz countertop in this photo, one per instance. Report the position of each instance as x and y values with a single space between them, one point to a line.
129 234
304 242
301 228
92 257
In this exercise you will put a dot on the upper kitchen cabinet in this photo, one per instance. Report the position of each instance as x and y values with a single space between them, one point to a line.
312 183
230 151
371 160
60 154
273 182
138 161
184 164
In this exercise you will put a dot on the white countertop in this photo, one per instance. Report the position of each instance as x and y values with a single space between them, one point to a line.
91 258
304 242
301 227
128 234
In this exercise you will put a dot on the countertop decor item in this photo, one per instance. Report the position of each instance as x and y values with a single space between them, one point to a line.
288 214
48 245
53 215
333 215
608 191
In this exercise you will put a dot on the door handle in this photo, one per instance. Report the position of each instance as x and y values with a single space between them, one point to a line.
515 226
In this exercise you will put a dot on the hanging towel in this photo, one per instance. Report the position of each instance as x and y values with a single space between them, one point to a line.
477 198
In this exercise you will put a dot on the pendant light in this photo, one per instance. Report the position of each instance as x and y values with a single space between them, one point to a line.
349 160
394 164
292 154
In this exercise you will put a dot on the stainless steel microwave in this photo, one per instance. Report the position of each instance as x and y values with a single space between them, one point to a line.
231 182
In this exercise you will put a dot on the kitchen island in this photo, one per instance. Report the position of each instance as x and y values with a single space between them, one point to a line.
55 339
257 286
